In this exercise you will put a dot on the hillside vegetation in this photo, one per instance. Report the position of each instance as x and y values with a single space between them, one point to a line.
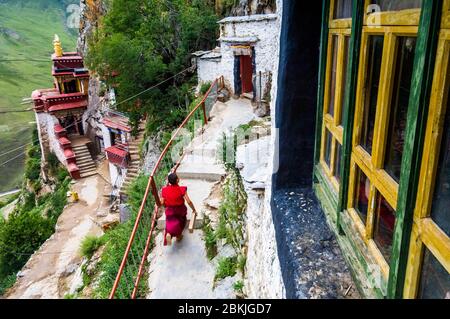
145 42
26 32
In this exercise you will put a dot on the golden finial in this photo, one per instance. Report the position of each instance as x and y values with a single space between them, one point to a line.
57 46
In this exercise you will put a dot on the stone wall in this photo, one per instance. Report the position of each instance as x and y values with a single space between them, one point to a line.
49 142
257 161
209 69
263 277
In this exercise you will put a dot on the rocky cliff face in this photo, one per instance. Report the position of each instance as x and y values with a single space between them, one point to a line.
90 14
245 7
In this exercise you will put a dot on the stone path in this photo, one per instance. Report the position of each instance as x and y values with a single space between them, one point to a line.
182 271
51 271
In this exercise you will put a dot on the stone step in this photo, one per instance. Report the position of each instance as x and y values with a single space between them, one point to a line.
82 153
248 96
80 147
81 160
208 172
87 166
85 162
88 174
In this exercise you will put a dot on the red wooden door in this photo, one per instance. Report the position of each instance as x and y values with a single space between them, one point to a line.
246 73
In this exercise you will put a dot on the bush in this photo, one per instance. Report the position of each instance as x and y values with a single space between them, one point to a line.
90 245
20 236
210 239
6 283
205 87
238 286
226 268
58 201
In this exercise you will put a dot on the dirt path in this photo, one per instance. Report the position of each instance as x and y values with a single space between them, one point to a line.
51 270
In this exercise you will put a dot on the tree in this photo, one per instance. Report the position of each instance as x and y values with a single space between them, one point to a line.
142 42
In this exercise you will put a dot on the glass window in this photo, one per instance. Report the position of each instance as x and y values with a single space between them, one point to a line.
399 106
396 5
344 76
362 194
375 47
342 9
435 280
441 199
337 162
328 141
332 83
383 232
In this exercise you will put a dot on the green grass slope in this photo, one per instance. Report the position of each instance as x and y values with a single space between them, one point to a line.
26 32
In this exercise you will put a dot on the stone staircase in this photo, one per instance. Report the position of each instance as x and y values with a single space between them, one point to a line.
135 160
182 270
85 162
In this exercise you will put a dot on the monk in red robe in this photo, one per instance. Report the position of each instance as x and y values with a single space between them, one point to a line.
173 198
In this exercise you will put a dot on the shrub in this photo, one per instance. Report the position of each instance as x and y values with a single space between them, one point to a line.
58 201
33 169
238 286
70 296
24 233
210 239
226 268
205 87
6 283
90 245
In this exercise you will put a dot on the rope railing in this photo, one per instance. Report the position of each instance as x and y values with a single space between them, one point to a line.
128 282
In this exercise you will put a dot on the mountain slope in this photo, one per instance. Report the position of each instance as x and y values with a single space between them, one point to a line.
26 33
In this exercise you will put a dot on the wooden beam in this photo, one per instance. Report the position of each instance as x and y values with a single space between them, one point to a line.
321 81
349 104
415 131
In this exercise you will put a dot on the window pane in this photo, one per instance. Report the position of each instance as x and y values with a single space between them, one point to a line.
435 280
328 140
362 194
375 48
383 230
399 106
337 162
440 212
332 84
342 9
344 76
395 5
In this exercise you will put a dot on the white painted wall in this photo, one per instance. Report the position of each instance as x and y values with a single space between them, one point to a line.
264 278
208 70
46 123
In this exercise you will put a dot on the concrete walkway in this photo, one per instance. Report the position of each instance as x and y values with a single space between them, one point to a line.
182 271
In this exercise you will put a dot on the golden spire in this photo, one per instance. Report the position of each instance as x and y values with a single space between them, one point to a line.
57 46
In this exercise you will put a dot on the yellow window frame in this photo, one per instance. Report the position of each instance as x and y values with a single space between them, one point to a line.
446 15
338 23
334 123
392 18
425 232
372 165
